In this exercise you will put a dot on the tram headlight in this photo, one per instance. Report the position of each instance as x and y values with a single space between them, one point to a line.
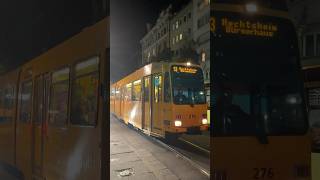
177 123
204 121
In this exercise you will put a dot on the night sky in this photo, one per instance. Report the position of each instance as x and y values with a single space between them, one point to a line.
29 28
128 26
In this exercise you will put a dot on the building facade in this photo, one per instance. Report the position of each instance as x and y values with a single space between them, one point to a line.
201 37
181 32
184 36
156 42
307 20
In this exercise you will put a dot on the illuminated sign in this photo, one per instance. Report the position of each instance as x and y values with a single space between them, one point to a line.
183 69
244 27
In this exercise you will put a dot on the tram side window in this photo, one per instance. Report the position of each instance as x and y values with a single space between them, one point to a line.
58 110
167 92
84 104
8 97
26 102
38 101
157 88
136 93
146 89
128 92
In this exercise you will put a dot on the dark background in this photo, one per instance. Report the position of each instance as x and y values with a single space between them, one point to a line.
29 28
128 26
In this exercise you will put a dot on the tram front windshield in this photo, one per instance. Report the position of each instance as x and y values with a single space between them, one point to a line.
257 85
187 85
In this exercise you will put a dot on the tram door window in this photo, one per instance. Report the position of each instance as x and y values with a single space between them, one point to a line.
59 98
26 101
84 101
37 142
167 92
146 106
157 103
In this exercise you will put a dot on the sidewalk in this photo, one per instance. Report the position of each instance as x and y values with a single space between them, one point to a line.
134 157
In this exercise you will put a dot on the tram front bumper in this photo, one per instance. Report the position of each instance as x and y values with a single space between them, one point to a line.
189 130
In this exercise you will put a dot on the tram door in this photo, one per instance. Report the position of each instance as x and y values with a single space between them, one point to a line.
157 104
146 105
39 107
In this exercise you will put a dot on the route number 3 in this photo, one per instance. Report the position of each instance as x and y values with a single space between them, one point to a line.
263 173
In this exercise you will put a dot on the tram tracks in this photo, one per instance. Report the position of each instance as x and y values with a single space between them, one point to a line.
186 154
197 156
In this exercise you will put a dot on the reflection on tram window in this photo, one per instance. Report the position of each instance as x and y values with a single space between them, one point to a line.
58 113
26 102
136 92
146 88
85 93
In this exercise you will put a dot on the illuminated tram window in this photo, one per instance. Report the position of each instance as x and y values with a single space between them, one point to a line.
84 106
58 111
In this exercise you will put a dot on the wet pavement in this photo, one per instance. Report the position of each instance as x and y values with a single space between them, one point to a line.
133 156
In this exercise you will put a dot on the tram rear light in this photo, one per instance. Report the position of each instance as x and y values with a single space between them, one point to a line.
177 123
204 121
251 7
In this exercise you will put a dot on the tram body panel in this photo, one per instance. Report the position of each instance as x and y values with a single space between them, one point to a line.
8 93
252 160
190 115
258 133
69 150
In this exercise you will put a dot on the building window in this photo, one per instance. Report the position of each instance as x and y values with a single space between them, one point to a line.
177 24
311 45
203 56
173 40
26 102
180 36
185 19
177 38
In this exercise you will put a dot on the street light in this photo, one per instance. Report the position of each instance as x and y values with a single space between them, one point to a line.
251 7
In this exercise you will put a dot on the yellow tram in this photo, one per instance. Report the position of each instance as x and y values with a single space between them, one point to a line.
162 99
259 119
51 110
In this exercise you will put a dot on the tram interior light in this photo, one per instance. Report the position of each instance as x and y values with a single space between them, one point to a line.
251 7
177 123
